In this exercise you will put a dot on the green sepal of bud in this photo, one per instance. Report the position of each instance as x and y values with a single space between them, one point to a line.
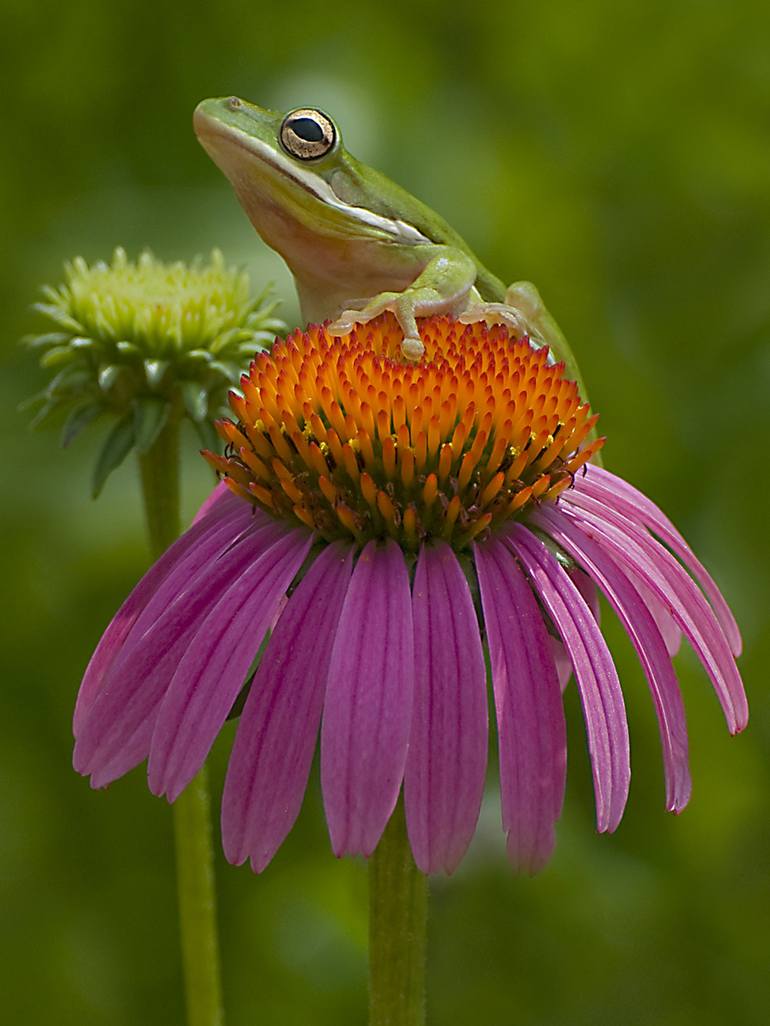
139 342
154 372
150 417
80 417
117 446
196 400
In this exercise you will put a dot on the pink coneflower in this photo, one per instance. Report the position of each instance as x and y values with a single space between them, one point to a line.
379 523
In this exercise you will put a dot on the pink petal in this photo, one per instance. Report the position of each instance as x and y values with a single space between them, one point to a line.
214 666
641 628
530 715
273 748
220 496
673 586
230 528
125 618
587 589
561 660
619 494
602 699
447 760
670 633
368 707
115 737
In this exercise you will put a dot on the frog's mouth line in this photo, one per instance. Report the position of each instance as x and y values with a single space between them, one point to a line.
284 170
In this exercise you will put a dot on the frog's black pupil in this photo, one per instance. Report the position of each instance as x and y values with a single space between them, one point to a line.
307 129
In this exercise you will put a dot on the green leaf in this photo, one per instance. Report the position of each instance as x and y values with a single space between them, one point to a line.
196 400
150 416
78 419
117 446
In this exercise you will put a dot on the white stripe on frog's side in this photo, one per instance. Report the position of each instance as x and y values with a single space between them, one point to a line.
316 186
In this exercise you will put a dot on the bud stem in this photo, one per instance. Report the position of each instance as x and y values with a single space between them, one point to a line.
159 469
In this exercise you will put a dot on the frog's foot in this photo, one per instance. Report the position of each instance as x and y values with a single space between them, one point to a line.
511 316
412 347
496 313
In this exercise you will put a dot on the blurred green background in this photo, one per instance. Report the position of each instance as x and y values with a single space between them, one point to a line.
619 156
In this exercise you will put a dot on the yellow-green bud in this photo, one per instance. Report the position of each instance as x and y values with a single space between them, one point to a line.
143 341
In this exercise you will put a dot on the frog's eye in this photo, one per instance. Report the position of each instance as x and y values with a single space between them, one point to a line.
307 134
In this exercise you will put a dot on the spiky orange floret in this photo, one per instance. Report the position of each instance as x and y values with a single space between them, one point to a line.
343 435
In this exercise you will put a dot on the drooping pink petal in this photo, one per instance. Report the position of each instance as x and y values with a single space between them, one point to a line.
273 749
446 764
214 666
561 660
219 496
597 680
125 618
674 587
670 633
587 589
614 491
530 715
230 528
620 591
115 736
367 711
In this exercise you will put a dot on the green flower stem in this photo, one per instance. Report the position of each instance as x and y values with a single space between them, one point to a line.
197 903
159 469
398 913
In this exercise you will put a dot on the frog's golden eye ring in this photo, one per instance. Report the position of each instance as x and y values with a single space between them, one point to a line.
307 134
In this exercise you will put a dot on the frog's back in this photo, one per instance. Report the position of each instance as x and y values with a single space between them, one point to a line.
395 202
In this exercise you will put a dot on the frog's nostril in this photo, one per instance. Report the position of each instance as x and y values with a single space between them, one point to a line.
233 102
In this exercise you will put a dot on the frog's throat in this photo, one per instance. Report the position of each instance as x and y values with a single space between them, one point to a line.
216 141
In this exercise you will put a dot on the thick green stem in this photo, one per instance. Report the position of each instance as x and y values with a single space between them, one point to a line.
197 903
159 469
398 911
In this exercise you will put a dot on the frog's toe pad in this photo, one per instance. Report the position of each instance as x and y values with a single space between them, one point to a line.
413 349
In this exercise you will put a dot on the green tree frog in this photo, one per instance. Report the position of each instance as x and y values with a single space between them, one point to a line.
356 243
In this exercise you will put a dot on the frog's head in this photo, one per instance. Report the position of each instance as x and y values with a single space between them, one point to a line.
294 177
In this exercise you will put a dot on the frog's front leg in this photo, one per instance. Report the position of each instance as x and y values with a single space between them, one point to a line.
441 287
